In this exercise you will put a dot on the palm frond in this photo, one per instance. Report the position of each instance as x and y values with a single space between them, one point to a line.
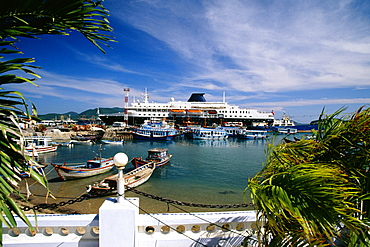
19 18
316 192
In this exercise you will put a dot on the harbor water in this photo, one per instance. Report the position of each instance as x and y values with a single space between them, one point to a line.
200 171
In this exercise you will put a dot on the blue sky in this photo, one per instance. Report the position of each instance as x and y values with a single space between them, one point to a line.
287 56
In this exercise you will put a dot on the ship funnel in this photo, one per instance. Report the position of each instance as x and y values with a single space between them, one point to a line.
197 97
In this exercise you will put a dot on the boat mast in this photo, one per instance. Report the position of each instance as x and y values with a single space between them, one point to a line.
145 95
125 115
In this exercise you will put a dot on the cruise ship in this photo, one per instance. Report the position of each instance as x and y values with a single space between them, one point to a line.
195 111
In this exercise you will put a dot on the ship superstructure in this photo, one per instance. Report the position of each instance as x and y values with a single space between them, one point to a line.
195 111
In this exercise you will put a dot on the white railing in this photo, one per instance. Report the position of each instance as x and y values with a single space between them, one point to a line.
120 224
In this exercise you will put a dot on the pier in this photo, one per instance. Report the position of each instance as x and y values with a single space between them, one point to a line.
112 133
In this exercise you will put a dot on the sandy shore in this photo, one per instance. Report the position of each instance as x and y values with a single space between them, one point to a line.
92 205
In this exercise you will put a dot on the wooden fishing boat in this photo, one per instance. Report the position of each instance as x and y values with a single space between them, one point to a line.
132 179
159 156
92 167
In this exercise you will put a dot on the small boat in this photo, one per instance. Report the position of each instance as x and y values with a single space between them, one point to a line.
39 144
81 142
156 131
233 131
92 167
132 179
209 133
111 142
252 134
85 139
286 131
158 156
284 122
33 154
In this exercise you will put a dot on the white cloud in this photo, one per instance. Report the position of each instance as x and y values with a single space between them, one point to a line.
311 102
271 46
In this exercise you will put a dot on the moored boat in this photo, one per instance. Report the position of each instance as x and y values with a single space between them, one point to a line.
233 131
284 122
132 179
158 156
85 139
39 144
92 167
155 131
286 131
252 134
112 142
209 133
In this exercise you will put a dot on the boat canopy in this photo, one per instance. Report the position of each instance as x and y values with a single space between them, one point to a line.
157 152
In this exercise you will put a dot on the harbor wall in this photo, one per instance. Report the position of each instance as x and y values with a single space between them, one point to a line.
112 227
65 136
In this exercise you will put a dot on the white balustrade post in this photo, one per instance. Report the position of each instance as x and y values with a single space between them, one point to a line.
118 217
120 160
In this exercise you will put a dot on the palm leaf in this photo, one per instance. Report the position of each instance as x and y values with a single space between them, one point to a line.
315 192
32 18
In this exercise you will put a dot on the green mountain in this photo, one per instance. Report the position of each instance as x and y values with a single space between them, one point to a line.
88 114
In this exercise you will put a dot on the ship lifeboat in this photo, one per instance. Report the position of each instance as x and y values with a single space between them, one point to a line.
212 112
177 111
194 111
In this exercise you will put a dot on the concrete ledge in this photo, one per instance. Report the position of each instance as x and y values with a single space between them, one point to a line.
54 230
120 224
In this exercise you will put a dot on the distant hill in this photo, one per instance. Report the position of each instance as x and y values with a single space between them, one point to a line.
88 114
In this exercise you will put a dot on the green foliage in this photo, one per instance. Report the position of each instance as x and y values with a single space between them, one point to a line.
315 192
30 19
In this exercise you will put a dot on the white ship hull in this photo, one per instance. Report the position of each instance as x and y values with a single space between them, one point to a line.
193 111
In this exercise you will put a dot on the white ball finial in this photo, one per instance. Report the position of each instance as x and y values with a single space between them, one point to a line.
120 160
